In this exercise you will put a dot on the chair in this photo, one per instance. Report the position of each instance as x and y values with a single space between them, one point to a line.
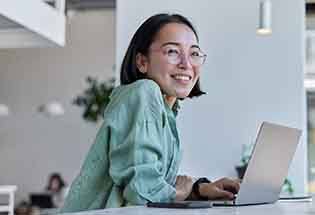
8 190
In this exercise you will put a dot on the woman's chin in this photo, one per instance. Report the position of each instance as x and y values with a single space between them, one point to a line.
182 95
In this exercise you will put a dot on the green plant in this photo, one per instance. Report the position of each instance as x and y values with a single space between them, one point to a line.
288 187
94 99
246 153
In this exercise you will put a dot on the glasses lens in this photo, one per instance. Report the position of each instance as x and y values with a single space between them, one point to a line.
198 60
173 59
173 55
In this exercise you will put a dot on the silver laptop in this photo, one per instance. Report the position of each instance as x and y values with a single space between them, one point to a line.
268 166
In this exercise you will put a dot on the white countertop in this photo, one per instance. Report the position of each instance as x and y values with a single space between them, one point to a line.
287 208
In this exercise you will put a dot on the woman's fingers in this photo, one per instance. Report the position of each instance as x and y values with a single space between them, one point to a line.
224 195
228 184
232 186
214 192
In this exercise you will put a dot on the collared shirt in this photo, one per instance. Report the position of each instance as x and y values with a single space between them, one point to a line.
136 154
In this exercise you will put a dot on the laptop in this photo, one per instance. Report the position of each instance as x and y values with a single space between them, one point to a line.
268 166
41 200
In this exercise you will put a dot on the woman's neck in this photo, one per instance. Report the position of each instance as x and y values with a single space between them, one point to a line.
170 100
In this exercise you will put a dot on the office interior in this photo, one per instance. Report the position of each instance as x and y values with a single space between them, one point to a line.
249 78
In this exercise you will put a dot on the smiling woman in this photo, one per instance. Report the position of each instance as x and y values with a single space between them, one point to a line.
136 155
174 61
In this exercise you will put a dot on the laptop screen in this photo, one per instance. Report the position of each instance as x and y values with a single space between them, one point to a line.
41 200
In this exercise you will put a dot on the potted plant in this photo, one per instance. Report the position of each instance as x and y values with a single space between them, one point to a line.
94 99
241 167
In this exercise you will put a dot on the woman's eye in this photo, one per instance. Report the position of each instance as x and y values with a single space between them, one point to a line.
172 51
195 54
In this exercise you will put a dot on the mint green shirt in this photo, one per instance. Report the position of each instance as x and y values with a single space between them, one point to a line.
135 156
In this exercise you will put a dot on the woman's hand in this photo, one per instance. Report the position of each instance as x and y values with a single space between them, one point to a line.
183 187
222 189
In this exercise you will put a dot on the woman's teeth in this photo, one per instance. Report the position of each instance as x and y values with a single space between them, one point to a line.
182 77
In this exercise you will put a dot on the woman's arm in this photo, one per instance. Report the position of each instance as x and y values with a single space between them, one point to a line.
136 165
183 187
141 146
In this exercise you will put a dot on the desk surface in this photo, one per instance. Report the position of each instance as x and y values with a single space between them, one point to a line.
285 208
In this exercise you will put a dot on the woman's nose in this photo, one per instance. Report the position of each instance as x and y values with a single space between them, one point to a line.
184 61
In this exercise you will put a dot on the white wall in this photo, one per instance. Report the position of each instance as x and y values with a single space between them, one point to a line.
32 145
248 78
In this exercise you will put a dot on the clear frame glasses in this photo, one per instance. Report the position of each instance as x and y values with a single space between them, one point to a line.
174 55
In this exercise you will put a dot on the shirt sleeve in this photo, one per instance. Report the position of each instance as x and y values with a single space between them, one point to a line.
136 164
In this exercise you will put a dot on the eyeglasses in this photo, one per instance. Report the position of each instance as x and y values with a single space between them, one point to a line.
174 55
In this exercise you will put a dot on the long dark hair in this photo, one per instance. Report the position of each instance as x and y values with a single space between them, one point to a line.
141 42
58 177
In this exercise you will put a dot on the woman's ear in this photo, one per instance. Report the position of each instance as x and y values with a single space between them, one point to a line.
142 63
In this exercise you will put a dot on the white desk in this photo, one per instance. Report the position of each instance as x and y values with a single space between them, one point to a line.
8 190
280 208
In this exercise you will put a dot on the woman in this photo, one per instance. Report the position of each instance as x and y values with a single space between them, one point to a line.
57 188
136 154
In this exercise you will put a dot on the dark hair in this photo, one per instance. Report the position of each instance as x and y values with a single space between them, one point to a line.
59 178
141 42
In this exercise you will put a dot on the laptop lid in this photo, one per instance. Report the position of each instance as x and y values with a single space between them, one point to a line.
269 164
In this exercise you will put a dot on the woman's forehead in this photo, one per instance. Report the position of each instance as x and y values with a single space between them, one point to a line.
176 33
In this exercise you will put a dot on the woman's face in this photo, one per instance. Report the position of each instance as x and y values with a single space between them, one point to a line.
55 184
169 60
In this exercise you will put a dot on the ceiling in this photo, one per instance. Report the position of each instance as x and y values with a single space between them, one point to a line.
70 5
90 4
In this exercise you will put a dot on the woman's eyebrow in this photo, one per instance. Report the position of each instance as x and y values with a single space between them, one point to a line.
195 46
170 43
178 44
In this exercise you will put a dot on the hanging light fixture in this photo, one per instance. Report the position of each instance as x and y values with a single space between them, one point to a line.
265 17
52 109
4 110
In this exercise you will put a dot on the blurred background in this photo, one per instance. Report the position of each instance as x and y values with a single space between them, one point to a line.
57 56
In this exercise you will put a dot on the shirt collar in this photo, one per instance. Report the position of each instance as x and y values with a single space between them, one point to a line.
175 108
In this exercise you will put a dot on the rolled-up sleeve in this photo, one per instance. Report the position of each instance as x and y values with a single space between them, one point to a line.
136 164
